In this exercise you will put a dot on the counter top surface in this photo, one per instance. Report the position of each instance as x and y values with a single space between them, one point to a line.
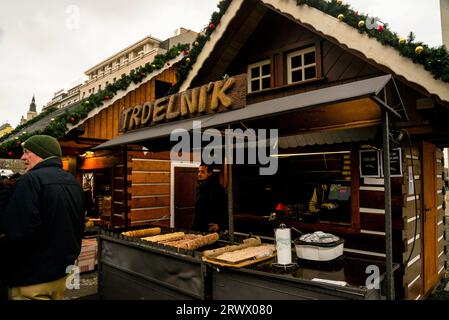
344 269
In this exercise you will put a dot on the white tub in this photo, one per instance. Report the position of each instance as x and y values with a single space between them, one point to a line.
319 251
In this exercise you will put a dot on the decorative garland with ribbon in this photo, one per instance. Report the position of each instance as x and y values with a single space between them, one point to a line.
434 60
198 45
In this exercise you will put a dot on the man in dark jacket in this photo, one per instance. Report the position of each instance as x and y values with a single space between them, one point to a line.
211 206
5 190
42 224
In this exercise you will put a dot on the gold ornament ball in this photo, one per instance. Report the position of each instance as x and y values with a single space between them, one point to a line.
339 2
361 24
188 59
402 41
341 17
196 43
419 49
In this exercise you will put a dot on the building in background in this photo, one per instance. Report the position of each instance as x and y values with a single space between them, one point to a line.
32 112
181 36
5 129
122 63
444 7
62 99
130 58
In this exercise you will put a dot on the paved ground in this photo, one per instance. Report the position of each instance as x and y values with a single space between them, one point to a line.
441 292
88 288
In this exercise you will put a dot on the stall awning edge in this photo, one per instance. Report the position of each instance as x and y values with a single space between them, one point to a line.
345 92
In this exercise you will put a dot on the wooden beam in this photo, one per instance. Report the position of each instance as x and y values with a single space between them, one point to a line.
98 163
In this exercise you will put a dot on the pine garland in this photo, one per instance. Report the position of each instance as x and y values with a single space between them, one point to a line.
58 127
198 45
28 123
434 60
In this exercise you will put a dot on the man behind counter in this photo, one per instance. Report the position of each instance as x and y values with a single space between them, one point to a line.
211 206
320 196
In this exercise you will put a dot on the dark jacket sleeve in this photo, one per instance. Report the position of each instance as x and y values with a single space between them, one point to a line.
5 190
21 219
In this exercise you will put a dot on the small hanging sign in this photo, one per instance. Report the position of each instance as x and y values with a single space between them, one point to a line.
395 163
369 163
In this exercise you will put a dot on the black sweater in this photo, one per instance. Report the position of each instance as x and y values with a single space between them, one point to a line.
5 191
211 206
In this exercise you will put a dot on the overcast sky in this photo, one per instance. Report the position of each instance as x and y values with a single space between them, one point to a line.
46 46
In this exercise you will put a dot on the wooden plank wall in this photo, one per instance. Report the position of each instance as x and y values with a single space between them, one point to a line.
446 220
105 125
337 65
441 205
149 191
412 260
118 194
413 278
371 240
340 65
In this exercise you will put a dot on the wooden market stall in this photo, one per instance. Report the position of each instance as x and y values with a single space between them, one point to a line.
125 173
337 107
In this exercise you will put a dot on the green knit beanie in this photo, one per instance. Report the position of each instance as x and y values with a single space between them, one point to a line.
43 146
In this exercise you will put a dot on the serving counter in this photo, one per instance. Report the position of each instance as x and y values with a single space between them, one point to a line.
130 268
305 281
137 270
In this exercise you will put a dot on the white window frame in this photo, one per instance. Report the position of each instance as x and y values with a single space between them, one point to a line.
261 77
303 67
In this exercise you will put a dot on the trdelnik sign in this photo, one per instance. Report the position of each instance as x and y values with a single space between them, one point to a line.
219 96
239 147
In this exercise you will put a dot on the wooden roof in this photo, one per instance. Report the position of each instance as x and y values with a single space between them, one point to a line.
319 22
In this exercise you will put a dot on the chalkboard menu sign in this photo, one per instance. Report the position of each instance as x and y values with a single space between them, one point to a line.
369 163
395 162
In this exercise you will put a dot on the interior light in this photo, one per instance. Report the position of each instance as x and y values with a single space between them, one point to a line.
88 154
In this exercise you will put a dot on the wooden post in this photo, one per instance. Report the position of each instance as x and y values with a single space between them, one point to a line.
228 163
388 213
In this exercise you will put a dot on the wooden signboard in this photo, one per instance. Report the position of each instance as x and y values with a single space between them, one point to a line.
395 163
211 98
371 163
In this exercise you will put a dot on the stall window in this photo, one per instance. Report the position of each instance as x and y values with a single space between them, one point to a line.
301 65
314 188
259 76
